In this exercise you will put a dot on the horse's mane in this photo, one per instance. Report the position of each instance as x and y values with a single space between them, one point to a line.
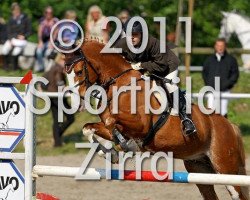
95 42
114 62
93 39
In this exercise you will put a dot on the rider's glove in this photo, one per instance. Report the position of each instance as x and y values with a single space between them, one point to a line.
136 66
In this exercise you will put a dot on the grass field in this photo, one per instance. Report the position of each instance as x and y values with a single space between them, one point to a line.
239 113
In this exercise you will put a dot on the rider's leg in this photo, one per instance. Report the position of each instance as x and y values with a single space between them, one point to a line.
188 125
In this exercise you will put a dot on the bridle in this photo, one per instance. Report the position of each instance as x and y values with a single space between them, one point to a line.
70 65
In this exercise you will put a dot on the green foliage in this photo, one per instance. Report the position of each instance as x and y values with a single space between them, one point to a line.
206 20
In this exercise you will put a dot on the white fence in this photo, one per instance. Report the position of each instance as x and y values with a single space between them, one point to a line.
32 170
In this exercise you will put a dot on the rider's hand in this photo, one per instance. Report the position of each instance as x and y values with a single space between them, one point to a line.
136 66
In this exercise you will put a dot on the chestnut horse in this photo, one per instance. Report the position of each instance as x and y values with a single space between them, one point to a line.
217 146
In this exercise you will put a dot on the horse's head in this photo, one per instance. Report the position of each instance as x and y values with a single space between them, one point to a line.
86 73
227 25
91 66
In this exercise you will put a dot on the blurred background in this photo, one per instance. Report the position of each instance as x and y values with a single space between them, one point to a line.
206 23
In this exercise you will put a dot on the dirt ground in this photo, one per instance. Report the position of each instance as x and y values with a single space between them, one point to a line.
69 189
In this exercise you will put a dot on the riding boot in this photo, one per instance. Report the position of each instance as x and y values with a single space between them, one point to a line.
186 120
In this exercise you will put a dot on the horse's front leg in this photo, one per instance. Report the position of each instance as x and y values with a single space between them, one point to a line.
98 133
116 130
98 129
103 128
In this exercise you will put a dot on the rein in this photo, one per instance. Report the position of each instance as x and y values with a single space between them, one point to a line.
154 127
70 65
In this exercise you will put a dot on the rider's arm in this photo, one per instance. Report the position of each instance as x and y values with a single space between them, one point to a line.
160 62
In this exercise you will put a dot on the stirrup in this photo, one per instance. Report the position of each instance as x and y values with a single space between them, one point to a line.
188 132
114 154
126 146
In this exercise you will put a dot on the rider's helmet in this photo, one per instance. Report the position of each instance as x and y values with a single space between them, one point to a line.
137 27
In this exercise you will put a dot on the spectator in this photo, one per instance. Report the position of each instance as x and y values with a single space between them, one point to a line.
44 48
222 65
3 31
18 30
67 35
56 77
123 16
95 20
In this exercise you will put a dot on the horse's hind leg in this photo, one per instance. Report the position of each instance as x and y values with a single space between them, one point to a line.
230 158
202 165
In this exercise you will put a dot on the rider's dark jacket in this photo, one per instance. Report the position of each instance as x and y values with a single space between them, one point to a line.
151 59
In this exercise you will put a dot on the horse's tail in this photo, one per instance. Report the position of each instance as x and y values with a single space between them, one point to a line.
242 159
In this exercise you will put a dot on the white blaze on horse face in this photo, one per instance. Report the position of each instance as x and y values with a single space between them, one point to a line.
74 98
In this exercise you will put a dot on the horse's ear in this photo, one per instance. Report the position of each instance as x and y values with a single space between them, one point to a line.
225 14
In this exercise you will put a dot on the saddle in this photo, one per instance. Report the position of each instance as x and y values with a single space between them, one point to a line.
165 115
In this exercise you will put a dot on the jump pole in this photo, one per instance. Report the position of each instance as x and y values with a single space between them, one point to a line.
130 175
32 170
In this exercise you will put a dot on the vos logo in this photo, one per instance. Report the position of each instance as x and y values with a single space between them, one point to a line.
7 109
6 105
7 185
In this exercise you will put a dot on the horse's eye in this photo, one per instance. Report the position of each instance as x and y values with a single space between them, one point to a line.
79 73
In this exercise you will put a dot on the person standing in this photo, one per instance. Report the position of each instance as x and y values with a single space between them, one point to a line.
95 21
56 78
222 65
18 30
123 17
44 48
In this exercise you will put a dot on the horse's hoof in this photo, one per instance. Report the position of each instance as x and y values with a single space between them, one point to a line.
114 156
133 146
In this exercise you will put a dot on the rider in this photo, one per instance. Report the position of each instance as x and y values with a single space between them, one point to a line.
161 64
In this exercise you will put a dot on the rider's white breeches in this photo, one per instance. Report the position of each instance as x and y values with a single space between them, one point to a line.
172 87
